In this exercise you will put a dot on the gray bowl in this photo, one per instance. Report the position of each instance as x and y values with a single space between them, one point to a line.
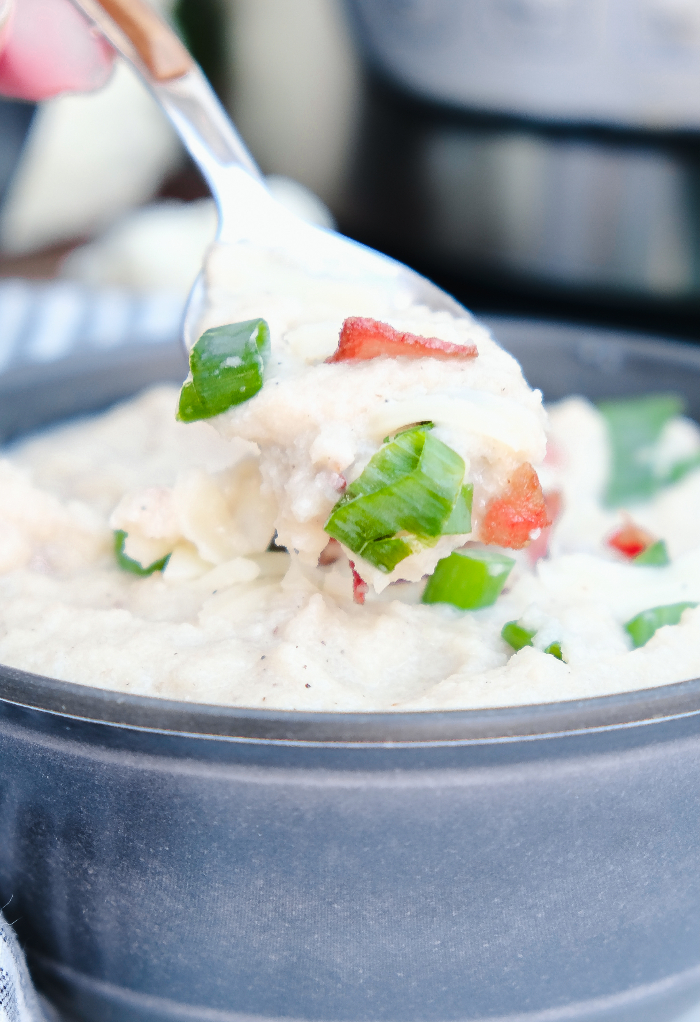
170 861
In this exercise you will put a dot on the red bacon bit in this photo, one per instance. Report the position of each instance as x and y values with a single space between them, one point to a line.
330 553
630 540
363 339
540 547
359 586
553 455
510 518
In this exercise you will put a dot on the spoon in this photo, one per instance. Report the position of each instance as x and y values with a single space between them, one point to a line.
247 212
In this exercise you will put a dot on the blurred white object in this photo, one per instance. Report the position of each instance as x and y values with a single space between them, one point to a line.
88 160
158 247
161 247
295 94
624 62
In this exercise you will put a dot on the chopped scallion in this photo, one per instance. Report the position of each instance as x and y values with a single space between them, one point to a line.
554 649
682 468
468 579
410 493
634 427
644 625
385 554
656 554
226 367
129 564
517 636
460 521
405 429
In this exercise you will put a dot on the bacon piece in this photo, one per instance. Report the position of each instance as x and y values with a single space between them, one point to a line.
553 455
362 339
540 547
630 540
330 553
359 586
510 518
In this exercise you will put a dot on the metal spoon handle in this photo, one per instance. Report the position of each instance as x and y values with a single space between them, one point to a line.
150 45
157 46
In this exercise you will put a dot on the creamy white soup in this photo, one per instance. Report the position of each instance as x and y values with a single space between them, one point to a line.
366 507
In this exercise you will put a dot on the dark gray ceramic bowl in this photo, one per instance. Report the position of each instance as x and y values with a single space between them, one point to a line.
168 861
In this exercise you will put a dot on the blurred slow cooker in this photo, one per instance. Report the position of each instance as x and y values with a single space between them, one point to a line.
537 154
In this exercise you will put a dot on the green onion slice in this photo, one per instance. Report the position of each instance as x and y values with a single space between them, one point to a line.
426 424
554 649
517 636
468 579
129 564
410 493
634 426
656 554
644 625
460 521
226 368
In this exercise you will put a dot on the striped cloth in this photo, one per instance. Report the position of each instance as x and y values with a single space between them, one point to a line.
18 1001
42 321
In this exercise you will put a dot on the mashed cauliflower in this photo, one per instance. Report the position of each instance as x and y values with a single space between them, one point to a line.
255 607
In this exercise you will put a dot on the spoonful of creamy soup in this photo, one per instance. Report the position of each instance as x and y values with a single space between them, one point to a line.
390 428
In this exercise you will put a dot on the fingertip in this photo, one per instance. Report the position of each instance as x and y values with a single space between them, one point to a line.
66 55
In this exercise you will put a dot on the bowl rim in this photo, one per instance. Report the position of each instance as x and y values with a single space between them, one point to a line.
153 714
338 728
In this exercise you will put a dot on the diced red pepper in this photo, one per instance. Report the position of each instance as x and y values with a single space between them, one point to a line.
540 547
362 339
359 586
631 540
510 518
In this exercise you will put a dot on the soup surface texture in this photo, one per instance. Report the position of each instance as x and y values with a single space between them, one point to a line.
391 521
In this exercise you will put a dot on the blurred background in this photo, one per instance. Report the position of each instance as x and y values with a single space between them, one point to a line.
537 157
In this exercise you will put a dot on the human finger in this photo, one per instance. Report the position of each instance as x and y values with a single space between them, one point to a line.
50 48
